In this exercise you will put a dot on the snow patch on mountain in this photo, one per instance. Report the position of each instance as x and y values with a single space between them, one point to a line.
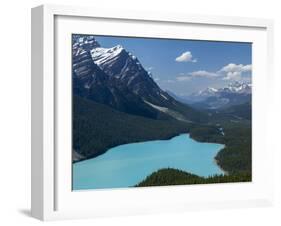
235 87
159 108
212 98
172 113
163 96
86 42
240 87
105 55
207 92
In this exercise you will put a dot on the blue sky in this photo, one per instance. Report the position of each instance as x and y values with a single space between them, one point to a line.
186 66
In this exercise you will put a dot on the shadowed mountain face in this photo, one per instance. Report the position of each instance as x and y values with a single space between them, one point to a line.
115 77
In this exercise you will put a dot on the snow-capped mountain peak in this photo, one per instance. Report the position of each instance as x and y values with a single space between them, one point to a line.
86 42
206 92
212 89
115 77
232 94
102 55
234 87
239 87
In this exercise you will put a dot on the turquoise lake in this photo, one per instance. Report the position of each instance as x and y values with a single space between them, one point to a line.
127 165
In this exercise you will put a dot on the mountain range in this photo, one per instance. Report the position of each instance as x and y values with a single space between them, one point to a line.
235 93
116 78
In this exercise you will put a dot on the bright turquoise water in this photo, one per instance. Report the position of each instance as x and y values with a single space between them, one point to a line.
126 165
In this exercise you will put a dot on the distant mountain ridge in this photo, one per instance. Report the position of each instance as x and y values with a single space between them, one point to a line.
211 98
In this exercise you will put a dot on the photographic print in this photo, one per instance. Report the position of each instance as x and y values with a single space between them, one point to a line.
158 112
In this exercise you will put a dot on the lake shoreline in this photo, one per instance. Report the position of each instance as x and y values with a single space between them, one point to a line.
140 141
169 138
217 163
122 166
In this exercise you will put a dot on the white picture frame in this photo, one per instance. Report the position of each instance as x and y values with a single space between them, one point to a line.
52 197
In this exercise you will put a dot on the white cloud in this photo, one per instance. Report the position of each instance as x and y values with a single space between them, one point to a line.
247 67
194 74
232 76
202 73
183 78
234 71
169 81
186 57
228 72
236 68
164 81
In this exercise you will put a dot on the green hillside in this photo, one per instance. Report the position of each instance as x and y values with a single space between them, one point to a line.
241 111
236 157
97 127
171 176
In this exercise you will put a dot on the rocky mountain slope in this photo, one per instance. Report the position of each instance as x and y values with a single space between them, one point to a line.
115 77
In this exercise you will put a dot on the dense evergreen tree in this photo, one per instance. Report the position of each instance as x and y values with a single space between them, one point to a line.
171 176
